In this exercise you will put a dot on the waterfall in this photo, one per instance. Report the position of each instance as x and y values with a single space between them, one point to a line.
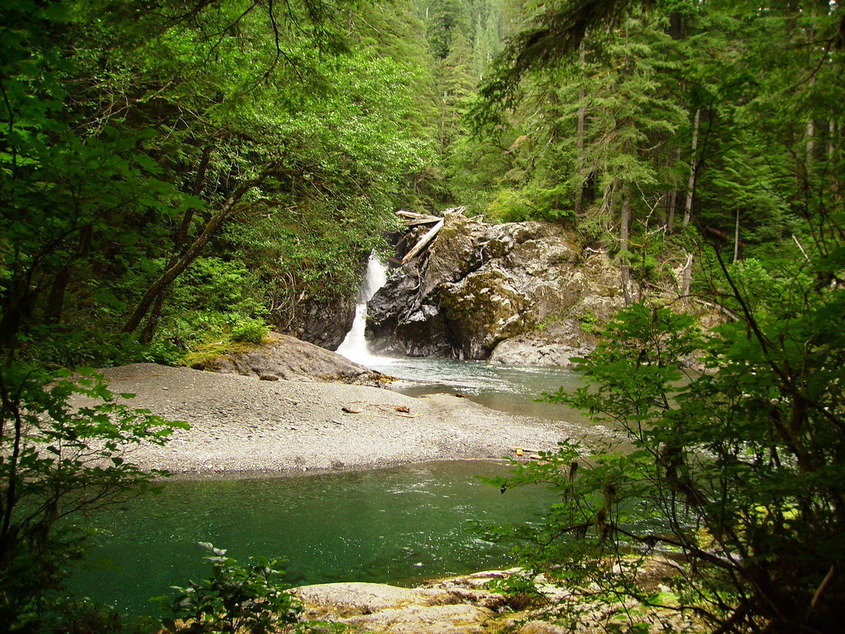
354 346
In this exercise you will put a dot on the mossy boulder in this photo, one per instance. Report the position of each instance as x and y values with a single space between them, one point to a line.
483 309
288 358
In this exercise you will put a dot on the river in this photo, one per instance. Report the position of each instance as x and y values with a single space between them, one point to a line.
398 525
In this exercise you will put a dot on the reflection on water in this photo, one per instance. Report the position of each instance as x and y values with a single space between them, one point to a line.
400 524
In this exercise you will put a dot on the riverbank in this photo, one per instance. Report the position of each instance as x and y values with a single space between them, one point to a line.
468 605
244 425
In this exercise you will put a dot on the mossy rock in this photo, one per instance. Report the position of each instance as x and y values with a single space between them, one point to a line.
287 358
484 309
208 353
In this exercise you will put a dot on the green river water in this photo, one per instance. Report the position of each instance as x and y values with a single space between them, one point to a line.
398 525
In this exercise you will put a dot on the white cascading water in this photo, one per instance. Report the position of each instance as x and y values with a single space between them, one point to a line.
354 346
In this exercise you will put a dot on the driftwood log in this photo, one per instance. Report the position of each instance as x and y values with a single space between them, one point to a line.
424 242
412 219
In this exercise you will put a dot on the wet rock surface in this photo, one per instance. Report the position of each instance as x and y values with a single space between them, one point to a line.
325 323
526 286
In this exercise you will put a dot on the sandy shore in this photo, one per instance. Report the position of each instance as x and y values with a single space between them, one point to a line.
245 425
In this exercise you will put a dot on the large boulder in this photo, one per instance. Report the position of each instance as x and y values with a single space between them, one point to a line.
555 344
288 358
526 286
375 607
324 323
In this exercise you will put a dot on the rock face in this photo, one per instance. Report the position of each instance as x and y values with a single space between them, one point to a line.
326 323
516 293
556 344
285 357
375 607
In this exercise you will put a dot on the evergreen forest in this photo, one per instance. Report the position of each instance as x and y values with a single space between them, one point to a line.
180 177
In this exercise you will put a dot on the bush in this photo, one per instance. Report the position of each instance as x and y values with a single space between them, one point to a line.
249 330
533 203
236 597
59 460
738 471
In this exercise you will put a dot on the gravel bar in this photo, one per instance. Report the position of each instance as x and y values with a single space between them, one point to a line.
243 425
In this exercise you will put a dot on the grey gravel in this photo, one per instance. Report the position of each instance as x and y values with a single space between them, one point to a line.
240 424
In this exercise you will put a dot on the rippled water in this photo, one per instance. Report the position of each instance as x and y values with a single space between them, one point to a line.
511 389
392 525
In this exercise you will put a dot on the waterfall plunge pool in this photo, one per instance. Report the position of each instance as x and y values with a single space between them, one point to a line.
513 390
398 525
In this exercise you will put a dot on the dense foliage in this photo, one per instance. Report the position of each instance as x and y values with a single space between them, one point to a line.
172 173
726 118
279 135
178 175
738 470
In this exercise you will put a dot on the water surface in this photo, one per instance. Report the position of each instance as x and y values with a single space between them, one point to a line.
393 525
510 389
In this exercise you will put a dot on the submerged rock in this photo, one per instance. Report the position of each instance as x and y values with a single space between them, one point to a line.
517 292
285 357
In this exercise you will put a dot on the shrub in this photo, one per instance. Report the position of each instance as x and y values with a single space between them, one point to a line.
249 330
236 597
59 460
737 471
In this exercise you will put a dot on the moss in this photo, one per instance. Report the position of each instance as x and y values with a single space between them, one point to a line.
483 310
549 320
590 323
205 354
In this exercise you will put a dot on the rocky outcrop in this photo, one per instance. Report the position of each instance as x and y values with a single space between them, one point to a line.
555 344
373 607
288 358
516 292
467 604
325 323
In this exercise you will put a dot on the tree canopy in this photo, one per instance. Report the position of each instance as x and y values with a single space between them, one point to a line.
178 176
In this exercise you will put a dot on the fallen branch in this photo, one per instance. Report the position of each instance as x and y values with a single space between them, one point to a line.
412 219
424 242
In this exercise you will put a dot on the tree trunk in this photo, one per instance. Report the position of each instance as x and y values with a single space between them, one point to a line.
624 243
671 202
190 254
693 168
811 145
56 298
832 159
686 276
736 238
179 238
